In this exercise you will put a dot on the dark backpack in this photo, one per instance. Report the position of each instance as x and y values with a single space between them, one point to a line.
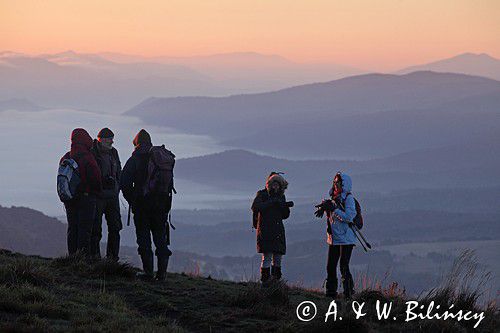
358 219
159 171
68 179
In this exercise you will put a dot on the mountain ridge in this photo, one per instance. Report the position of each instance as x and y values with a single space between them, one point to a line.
390 114
480 64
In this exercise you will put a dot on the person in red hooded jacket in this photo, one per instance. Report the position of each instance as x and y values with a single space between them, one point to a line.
81 211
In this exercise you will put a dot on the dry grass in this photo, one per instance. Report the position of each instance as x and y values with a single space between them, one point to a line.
73 294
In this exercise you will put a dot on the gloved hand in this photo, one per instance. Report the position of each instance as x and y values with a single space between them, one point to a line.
319 212
325 206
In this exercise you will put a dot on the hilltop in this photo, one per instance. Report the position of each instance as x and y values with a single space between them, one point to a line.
465 63
39 294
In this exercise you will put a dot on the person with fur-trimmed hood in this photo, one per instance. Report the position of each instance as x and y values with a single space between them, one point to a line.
269 210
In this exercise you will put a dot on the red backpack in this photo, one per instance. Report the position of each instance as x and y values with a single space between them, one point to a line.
160 171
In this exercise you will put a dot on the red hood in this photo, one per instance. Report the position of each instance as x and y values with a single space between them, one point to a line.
80 140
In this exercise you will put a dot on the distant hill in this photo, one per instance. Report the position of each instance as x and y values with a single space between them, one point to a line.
466 63
447 167
385 133
114 82
249 71
87 81
362 116
31 232
19 104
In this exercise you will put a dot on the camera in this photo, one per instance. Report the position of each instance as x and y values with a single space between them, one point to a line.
326 205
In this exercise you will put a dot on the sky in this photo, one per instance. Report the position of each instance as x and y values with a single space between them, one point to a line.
368 34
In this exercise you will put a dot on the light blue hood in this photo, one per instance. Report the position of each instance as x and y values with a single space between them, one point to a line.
346 184
342 233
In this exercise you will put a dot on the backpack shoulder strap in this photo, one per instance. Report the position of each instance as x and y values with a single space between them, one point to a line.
342 202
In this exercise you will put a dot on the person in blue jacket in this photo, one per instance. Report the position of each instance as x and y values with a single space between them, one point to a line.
340 236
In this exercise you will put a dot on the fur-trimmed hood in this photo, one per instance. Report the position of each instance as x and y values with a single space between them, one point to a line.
275 177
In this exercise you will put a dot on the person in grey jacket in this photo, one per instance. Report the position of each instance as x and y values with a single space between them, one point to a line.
108 202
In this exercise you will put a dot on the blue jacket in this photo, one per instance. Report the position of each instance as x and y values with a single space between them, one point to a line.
342 233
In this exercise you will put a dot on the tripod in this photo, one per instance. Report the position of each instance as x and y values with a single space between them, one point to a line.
359 235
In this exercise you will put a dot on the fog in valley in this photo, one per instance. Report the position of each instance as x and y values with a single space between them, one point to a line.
423 150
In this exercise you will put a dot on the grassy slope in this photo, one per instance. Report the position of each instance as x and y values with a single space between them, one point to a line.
38 294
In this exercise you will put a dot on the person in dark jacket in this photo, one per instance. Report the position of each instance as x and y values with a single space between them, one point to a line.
80 211
108 202
150 211
270 210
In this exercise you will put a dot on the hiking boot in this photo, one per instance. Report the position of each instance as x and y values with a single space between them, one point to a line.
144 276
161 275
147 267
348 285
276 272
265 274
331 288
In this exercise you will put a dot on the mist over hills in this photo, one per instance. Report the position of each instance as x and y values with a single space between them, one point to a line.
84 81
98 82
251 71
470 165
466 63
113 82
381 114
20 104
422 148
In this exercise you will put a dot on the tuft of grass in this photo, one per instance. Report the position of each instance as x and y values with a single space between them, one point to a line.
103 268
29 323
464 284
463 287
75 262
270 302
26 270
275 293
111 268
27 299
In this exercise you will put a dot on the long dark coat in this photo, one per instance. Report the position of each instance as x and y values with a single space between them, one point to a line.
270 213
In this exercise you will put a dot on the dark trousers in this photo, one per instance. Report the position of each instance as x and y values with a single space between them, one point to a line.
80 213
110 208
342 253
153 222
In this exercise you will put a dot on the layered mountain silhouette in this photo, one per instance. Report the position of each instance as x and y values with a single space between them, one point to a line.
250 71
471 165
88 81
105 82
466 63
357 117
